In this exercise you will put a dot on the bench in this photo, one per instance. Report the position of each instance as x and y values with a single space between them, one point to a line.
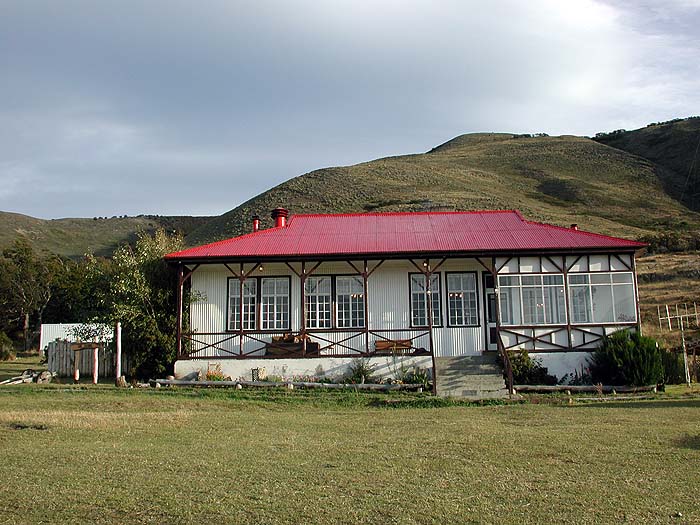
290 345
388 347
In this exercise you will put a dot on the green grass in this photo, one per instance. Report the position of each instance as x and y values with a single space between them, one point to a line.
102 455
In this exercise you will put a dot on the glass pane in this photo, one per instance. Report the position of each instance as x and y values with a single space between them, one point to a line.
602 303
531 279
600 278
580 303
578 279
554 280
510 306
554 305
625 304
508 280
533 305
622 278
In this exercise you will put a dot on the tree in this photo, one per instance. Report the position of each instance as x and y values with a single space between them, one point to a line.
26 281
142 297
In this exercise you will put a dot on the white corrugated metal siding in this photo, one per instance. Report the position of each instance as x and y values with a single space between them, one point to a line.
389 306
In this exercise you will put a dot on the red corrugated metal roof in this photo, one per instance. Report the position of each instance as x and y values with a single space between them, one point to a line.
403 233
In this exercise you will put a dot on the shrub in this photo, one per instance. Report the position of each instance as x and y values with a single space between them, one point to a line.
6 348
414 376
580 377
214 373
361 371
674 370
529 371
627 358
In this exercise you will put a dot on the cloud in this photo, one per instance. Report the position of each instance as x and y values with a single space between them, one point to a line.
167 107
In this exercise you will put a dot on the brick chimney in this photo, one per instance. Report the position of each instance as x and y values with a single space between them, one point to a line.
279 215
256 223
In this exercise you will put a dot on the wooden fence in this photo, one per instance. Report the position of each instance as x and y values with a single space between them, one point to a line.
61 360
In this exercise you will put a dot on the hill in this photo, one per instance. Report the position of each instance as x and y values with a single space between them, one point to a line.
75 237
561 180
674 147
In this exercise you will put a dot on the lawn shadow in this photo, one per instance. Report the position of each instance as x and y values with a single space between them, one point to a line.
661 403
688 441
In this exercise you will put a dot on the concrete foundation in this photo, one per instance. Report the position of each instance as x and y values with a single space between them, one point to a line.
331 367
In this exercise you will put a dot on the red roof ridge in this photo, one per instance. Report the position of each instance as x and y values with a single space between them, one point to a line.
584 232
216 243
394 213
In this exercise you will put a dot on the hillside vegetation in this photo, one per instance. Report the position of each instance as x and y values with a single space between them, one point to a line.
561 180
75 237
674 147
635 184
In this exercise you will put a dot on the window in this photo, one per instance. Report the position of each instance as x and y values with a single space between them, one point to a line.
419 309
532 299
350 302
462 306
272 293
602 298
250 288
274 303
317 291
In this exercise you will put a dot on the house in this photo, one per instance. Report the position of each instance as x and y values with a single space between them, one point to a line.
411 288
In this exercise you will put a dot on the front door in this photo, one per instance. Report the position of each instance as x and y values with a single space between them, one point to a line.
490 311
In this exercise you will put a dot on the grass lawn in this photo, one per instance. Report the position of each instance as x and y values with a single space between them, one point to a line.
103 455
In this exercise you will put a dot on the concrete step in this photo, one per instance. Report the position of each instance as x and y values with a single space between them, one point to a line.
473 377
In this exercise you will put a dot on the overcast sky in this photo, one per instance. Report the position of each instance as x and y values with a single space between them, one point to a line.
190 108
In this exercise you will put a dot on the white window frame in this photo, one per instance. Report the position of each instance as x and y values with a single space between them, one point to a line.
320 307
350 307
250 303
541 297
587 289
274 307
417 293
462 301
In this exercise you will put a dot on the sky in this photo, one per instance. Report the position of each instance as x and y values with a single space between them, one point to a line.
190 108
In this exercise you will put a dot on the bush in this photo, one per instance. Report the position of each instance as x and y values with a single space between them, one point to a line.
361 371
627 358
529 371
674 371
6 348
415 376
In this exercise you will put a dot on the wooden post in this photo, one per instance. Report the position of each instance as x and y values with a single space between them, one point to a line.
302 328
365 289
118 345
76 366
95 364
429 310
179 321
685 353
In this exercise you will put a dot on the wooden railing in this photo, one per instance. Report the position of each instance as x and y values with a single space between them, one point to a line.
311 343
507 365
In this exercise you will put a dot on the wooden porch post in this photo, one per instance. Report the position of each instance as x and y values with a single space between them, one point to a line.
241 281
499 342
429 299
180 285
365 287
302 328
565 271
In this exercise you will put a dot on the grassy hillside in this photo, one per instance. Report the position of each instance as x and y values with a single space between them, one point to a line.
674 147
561 180
75 237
